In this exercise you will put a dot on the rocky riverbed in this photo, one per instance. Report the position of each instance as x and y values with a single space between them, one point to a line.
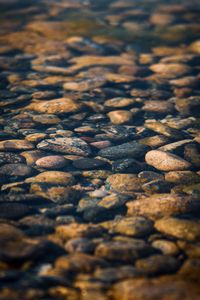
99 150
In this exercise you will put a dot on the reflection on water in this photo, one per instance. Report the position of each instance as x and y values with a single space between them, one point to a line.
99 149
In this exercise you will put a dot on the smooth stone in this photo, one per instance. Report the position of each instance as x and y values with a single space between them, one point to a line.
170 70
185 229
166 287
166 247
76 230
12 145
14 211
56 106
132 226
89 163
82 245
53 177
158 265
19 170
86 84
52 162
155 141
123 183
148 176
166 161
48 119
160 205
32 156
55 193
130 149
75 146
119 117
123 251
119 102
156 106
11 158
113 201
167 131
182 177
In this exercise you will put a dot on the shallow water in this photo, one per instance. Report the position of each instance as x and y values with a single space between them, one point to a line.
99 149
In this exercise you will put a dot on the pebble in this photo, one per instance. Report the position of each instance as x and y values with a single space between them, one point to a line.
75 146
123 183
185 229
130 149
165 161
166 247
120 117
12 145
54 177
171 70
57 106
11 158
160 205
52 162
119 102
19 170
88 163
156 106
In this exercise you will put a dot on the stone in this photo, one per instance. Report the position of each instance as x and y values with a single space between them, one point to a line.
166 247
13 145
165 161
120 117
185 229
119 102
56 106
56 193
156 106
32 156
47 119
182 177
167 131
132 226
76 230
75 146
160 205
52 162
83 245
89 163
86 84
131 149
53 177
18 170
158 264
10 158
14 211
171 70
123 183
163 288
123 251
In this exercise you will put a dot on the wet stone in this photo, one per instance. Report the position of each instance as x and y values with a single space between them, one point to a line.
180 228
123 183
166 161
160 205
12 145
119 102
52 162
54 177
131 149
74 146
89 163
158 264
120 117
10 158
18 170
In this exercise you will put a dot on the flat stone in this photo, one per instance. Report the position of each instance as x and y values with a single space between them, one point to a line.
124 251
56 106
158 264
86 84
123 183
12 145
159 205
130 149
10 158
166 161
132 226
19 170
119 102
171 70
185 229
120 117
54 177
156 106
166 247
89 163
75 146
52 162
161 289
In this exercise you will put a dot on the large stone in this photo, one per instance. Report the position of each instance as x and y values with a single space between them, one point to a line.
12 145
130 149
56 106
159 205
185 229
124 183
54 177
74 146
166 161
